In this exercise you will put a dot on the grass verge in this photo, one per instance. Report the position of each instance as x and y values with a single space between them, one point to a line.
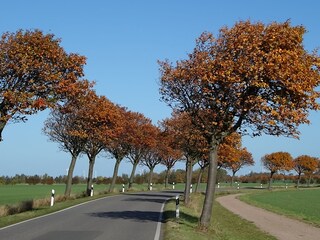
224 225
43 210
298 204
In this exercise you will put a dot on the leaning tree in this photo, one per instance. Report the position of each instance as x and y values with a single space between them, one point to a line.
35 73
254 78
141 136
96 119
188 140
62 126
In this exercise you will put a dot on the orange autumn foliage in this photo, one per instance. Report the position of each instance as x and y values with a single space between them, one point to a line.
277 161
305 164
232 155
256 78
35 73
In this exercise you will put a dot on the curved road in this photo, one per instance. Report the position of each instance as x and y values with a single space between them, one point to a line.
126 216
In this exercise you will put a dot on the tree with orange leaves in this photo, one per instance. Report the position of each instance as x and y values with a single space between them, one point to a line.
277 161
305 164
232 155
188 140
61 127
170 153
153 154
118 147
35 73
141 136
96 121
253 77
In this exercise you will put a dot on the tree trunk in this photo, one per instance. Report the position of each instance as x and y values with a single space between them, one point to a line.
150 178
115 174
135 164
309 180
270 180
211 186
199 179
70 175
188 181
90 174
166 180
2 125
232 178
299 178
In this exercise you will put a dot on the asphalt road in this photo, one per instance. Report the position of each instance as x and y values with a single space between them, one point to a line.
126 216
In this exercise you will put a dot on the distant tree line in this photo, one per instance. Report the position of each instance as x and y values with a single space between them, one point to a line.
175 176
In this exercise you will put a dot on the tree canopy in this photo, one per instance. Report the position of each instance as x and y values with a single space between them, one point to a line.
254 77
35 73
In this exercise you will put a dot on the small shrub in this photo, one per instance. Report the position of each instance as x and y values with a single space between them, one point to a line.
41 202
25 206
3 211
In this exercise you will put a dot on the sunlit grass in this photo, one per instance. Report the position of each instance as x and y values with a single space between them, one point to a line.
224 225
300 204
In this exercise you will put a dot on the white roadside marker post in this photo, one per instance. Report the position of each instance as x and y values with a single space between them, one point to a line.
52 198
177 207
173 185
123 188
150 186
218 185
238 186
191 188
91 193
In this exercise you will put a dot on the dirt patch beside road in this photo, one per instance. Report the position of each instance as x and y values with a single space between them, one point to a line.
279 226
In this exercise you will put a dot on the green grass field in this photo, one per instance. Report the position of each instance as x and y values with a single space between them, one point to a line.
11 194
300 204
225 225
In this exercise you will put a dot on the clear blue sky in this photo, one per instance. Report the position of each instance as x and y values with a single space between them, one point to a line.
122 41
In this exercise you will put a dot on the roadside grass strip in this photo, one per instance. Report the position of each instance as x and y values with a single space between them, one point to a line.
224 225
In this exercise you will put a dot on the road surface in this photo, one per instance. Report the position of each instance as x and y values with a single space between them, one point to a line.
125 216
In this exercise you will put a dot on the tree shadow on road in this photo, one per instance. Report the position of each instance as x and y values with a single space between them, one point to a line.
145 216
140 216
157 200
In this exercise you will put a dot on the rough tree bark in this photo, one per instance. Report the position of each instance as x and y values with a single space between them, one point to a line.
70 175
211 185
115 174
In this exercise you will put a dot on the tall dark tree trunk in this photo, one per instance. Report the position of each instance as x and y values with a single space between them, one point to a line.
115 174
232 178
309 180
188 180
299 178
199 179
134 167
67 191
205 218
2 125
166 180
150 177
270 180
90 174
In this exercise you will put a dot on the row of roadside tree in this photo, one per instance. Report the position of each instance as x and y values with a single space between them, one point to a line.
253 78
